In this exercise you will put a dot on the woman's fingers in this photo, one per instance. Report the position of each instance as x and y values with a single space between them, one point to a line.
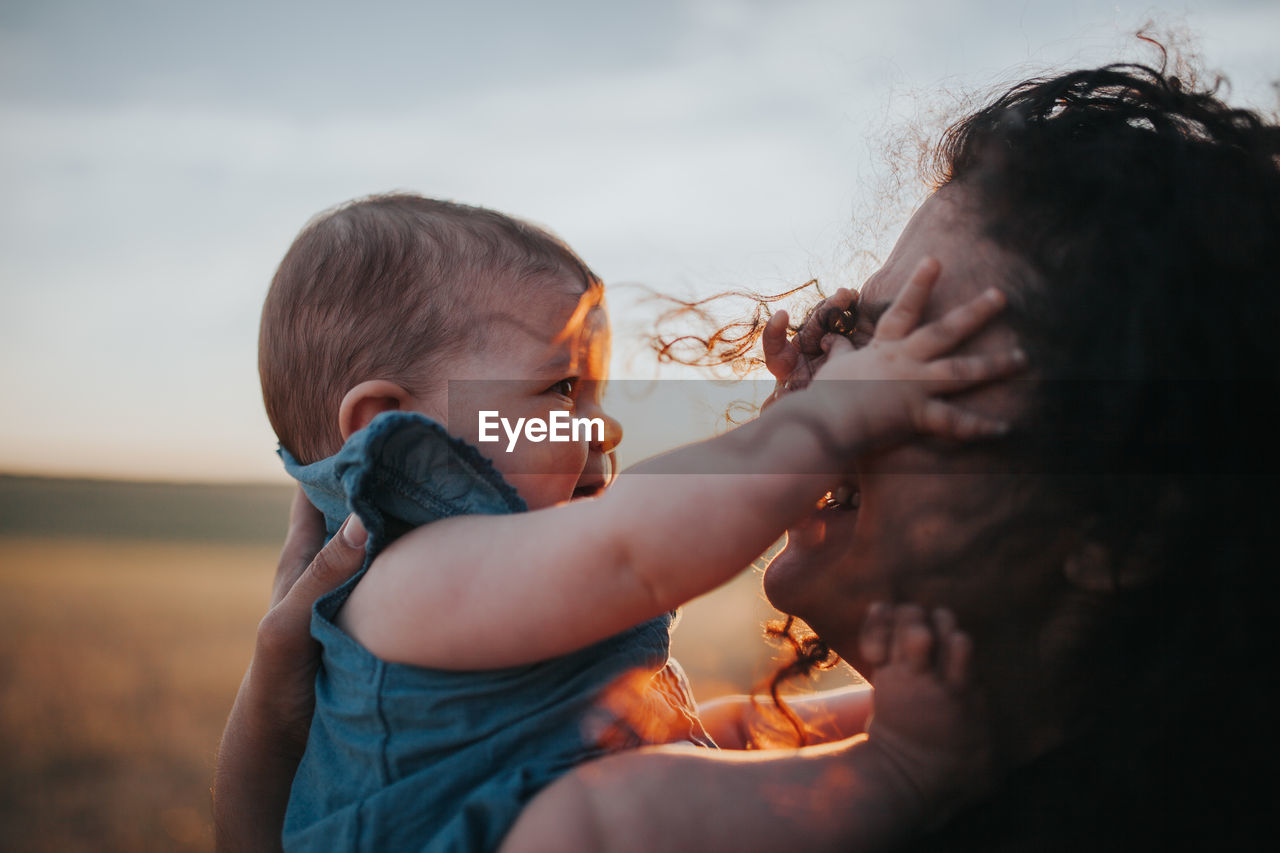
304 539
284 633
334 565
960 323
904 314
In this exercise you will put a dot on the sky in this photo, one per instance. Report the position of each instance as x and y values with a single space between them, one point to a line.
157 158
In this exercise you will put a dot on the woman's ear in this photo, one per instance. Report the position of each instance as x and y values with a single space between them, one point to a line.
1092 568
1089 568
368 400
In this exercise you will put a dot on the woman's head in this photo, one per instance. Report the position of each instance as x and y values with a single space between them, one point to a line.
1121 534
922 503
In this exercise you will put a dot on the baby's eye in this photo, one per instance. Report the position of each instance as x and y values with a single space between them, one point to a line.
565 387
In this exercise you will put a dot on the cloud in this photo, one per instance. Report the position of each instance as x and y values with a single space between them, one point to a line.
158 158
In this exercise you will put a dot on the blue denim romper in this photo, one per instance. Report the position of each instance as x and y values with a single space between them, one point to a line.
407 758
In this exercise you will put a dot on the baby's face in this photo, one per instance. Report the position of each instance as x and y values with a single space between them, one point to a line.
545 360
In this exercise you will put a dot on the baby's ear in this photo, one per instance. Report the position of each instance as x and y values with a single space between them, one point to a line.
368 400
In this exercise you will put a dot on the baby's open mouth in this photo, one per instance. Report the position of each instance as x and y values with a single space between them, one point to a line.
588 490
844 497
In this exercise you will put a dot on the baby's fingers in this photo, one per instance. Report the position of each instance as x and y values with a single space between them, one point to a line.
959 656
943 419
822 321
780 356
876 634
912 642
956 374
903 315
959 324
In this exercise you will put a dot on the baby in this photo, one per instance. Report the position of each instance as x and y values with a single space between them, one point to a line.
512 622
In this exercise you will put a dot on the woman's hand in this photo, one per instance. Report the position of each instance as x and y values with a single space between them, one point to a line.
266 732
897 384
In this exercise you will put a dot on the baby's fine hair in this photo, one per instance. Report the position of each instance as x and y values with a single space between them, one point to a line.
387 287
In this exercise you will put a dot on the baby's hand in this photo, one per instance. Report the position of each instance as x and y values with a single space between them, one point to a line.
793 362
893 386
927 718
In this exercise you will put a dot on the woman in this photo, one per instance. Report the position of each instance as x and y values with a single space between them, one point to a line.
1111 557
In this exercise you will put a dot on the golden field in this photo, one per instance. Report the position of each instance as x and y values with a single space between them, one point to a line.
122 644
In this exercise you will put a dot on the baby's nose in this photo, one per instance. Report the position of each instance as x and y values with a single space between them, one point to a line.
612 433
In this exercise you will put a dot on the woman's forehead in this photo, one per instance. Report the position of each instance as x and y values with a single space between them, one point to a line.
942 228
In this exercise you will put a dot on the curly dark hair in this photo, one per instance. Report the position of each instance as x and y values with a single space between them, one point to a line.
1144 213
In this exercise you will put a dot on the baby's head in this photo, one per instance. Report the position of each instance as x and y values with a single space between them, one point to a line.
380 302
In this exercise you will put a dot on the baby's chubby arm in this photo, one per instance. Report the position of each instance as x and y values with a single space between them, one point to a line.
479 592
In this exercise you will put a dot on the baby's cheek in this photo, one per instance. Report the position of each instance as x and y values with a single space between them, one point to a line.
542 490
465 424
545 473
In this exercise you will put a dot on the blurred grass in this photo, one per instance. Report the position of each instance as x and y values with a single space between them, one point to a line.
179 512
127 617
119 662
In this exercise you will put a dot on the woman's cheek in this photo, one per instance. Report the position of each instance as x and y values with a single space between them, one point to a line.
814 570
